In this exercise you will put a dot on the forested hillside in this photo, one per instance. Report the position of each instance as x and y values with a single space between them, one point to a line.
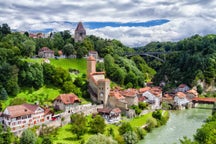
18 71
187 61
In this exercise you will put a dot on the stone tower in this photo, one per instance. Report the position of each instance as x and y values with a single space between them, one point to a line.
91 66
103 91
80 32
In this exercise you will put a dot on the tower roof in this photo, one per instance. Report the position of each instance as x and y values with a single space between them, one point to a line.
80 27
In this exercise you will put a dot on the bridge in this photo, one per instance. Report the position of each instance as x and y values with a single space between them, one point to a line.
150 54
204 100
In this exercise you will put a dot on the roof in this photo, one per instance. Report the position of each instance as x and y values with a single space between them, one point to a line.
46 49
116 94
142 90
104 110
182 85
193 91
180 95
91 58
116 110
129 92
20 110
68 98
156 91
80 27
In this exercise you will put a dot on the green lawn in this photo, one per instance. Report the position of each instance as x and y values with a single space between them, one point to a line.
141 120
79 64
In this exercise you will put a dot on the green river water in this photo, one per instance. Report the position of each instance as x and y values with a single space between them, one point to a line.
181 123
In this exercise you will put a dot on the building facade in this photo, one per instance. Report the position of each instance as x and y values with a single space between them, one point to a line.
21 117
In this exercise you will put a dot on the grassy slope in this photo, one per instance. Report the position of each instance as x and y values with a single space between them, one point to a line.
79 64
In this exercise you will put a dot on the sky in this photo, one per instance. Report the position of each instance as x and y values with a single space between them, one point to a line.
133 22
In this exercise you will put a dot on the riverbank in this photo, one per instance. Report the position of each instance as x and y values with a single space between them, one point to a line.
181 123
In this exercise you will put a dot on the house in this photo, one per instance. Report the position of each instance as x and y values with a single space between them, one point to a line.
80 33
180 100
130 96
45 52
116 99
192 93
21 117
182 88
110 115
153 96
66 102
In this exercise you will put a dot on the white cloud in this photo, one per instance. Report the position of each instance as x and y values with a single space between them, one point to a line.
187 17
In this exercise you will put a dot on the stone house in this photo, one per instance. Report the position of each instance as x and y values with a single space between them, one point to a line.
65 102
21 117
130 96
116 99
45 52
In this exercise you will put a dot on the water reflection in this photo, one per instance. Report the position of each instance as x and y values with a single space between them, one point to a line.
181 123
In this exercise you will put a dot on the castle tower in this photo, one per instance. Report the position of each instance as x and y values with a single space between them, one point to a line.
103 91
80 32
91 66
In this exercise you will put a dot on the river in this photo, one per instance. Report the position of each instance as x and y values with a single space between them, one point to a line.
181 123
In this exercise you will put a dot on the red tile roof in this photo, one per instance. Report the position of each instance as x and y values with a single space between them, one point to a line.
142 90
21 110
193 91
129 92
116 110
116 94
68 98
180 95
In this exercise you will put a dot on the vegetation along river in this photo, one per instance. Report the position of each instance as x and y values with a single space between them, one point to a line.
181 123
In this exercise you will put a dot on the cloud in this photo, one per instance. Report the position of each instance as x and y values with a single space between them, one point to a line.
187 17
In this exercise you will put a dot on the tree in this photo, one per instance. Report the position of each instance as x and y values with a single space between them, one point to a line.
58 41
3 94
28 48
101 139
97 125
78 122
130 137
28 137
46 140
125 127
17 101
151 123
5 136
5 29
68 49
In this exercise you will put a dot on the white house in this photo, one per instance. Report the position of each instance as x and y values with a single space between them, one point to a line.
181 100
21 117
153 96
110 115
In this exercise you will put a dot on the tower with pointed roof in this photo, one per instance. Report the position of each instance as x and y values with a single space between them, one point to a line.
80 32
